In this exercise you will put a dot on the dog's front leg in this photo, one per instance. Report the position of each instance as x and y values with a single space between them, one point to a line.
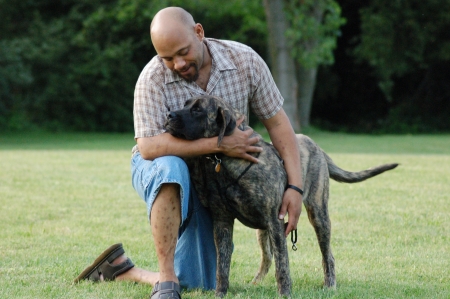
223 238
280 253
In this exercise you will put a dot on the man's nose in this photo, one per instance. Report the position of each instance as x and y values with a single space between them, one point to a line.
179 63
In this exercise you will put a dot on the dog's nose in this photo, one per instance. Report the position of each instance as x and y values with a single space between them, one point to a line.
171 115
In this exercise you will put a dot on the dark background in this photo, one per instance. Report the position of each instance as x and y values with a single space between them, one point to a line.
72 65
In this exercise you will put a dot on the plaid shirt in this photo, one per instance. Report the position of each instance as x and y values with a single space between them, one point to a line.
238 75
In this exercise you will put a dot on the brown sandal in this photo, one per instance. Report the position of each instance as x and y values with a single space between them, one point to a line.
166 290
102 265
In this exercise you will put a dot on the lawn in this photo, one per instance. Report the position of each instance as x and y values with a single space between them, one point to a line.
66 197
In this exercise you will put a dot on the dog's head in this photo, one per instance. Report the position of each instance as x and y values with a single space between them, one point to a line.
202 117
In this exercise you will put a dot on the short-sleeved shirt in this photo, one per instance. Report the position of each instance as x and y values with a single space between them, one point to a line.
238 75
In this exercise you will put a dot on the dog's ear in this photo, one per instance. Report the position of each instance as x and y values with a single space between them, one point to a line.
225 122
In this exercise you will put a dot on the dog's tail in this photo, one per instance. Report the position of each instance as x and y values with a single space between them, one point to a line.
344 176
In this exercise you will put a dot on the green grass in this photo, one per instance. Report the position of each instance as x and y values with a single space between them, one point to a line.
66 197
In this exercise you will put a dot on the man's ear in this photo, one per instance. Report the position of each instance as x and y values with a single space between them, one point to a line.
199 32
225 122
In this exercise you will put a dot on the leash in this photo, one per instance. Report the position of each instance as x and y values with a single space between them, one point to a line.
294 239
217 162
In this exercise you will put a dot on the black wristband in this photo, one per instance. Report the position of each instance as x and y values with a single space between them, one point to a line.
295 188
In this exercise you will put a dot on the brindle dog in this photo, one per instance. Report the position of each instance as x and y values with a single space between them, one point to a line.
236 188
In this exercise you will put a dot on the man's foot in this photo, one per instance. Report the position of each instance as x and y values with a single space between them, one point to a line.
115 257
166 290
107 266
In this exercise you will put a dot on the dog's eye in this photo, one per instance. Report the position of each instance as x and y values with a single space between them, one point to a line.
196 109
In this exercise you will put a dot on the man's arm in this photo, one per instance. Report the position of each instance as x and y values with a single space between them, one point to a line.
284 139
238 145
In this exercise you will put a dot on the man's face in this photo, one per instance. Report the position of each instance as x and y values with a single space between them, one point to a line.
181 51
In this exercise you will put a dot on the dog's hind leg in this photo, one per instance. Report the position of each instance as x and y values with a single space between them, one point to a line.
316 203
266 255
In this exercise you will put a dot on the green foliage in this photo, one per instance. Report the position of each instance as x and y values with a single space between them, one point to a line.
72 65
408 45
401 37
70 85
391 72
313 31
14 75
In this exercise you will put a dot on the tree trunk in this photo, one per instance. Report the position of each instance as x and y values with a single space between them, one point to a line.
307 76
282 63
307 84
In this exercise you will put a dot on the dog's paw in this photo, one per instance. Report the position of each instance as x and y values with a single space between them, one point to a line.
220 294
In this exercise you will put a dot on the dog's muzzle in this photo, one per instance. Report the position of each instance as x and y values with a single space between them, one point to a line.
173 122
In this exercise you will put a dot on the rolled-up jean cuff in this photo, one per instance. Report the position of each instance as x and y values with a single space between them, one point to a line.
148 176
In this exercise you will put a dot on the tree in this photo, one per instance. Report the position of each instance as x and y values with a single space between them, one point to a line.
282 62
310 28
408 45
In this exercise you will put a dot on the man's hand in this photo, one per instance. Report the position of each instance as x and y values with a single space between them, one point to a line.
240 144
292 204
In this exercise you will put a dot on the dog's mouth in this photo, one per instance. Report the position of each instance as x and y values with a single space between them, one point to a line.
175 126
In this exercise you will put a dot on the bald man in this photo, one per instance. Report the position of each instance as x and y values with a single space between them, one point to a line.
189 64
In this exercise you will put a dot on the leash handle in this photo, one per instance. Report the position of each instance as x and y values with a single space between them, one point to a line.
294 239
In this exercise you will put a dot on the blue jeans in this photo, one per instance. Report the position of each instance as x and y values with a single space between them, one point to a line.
195 253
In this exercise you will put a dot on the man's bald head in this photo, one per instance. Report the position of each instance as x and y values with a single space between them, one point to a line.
169 19
178 40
